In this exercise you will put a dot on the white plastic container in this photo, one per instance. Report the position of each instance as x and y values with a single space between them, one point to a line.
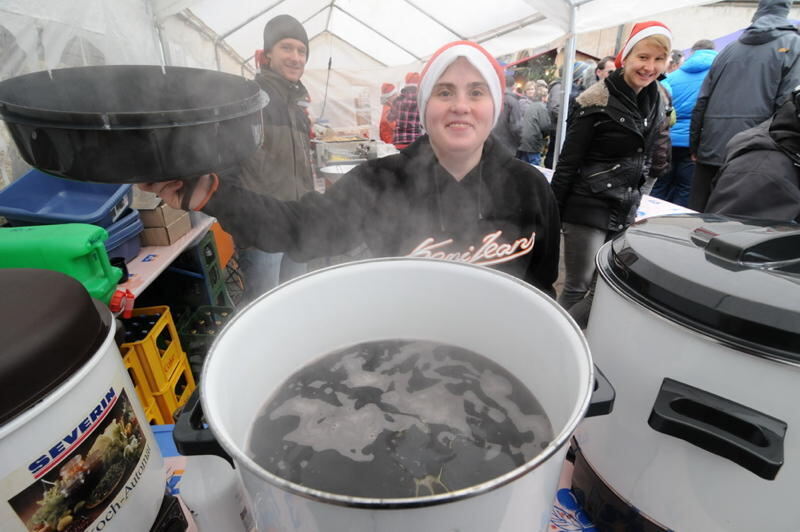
57 443
469 306
696 321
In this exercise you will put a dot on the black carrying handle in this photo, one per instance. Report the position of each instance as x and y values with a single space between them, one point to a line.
119 262
745 436
191 434
603 396
764 245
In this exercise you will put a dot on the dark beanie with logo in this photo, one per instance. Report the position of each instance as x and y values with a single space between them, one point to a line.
284 27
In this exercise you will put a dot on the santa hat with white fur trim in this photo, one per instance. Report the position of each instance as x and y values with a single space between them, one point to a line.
387 91
487 65
642 30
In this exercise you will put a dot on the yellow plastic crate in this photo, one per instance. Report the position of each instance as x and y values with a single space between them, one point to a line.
177 391
160 351
139 378
154 416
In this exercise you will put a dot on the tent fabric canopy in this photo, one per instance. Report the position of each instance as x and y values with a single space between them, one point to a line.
368 38
400 32
366 42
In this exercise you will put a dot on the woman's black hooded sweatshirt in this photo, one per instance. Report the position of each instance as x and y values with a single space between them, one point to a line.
501 214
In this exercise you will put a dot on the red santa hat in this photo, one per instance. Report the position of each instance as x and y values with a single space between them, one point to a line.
412 79
642 30
387 91
483 62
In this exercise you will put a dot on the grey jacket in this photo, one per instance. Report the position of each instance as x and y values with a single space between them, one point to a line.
282 167
747 82
509 125
536 126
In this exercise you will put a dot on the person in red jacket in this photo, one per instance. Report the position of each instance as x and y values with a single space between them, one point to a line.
388 96
405 113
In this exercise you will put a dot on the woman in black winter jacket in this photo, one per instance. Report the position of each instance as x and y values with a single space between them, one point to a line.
607 153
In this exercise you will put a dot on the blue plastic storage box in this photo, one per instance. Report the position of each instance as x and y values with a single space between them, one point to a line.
37 198
123 236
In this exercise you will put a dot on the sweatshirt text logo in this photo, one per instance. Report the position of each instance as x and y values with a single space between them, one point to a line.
487 253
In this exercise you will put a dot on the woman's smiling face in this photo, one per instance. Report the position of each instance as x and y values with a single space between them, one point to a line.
460 111
644 64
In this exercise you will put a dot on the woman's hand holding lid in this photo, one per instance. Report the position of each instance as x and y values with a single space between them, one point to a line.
189 194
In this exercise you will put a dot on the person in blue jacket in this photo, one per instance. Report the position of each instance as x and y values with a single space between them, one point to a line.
675 185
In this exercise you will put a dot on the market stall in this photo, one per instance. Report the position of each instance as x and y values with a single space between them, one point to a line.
127 292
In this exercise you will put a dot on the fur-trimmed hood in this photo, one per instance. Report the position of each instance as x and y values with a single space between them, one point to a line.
596 95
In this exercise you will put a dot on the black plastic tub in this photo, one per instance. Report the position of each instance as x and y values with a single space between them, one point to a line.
132 123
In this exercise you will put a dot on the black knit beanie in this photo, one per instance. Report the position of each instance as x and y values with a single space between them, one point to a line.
284 27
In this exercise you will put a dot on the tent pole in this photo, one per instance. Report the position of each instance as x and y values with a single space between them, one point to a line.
162 45
566 83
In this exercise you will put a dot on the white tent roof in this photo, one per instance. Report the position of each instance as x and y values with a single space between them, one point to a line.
399 32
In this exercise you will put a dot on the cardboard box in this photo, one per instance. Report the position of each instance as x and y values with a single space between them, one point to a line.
161 216
166 236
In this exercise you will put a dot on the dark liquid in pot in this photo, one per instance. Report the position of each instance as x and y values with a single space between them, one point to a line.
398 419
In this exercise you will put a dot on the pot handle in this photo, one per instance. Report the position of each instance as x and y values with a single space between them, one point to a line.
191 434
745 436
603 396
759 246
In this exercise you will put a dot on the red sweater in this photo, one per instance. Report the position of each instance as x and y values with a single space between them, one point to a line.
386 127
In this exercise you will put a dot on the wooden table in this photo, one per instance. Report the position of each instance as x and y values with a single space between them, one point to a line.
152 260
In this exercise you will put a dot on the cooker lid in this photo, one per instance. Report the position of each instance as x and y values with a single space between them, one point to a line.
49 327
735 279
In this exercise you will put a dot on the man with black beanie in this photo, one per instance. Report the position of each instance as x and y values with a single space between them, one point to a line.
282 167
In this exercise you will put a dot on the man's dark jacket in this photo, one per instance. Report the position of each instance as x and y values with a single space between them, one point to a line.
761 174
282 167
508 130
748 81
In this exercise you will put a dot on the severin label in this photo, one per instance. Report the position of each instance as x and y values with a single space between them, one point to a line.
53 456
82 480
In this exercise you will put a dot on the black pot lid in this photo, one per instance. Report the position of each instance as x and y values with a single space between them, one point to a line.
735 279
49 327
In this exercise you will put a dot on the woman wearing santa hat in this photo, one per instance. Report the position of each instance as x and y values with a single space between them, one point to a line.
453 194
608 149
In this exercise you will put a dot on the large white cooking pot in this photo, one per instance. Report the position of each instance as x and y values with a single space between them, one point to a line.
77 452
696 321
468 306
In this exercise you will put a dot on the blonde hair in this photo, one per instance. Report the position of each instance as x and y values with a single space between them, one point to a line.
661 40
529 85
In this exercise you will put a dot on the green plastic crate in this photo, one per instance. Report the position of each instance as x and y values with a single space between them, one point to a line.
199 331
77 250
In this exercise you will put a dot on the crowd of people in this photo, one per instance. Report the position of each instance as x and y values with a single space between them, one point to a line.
716 131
